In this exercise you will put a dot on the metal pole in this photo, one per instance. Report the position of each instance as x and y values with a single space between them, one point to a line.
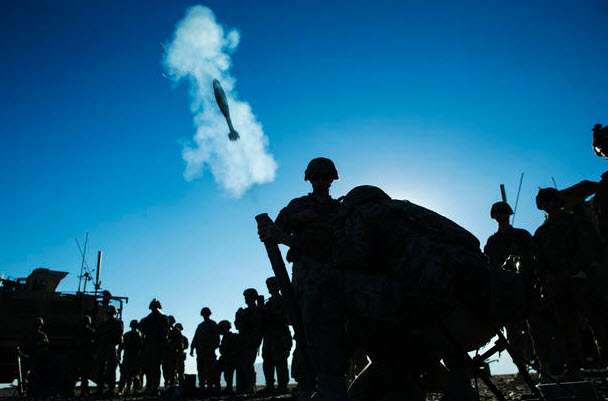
521 179
97 282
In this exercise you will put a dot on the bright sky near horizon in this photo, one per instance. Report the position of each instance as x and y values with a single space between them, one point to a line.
436 102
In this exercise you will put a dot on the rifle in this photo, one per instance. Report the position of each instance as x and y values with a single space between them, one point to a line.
289 299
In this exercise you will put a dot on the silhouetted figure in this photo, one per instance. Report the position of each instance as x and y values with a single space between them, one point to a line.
108 337
565 249
180 352
83 345
231 353
169 364
205 341
277 340
305 226
174 356
515 242
411 279
102 309
130 368
155 328
248 321
36 350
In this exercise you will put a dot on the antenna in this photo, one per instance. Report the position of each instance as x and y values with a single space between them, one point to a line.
521 179
554 184
83 263
97 282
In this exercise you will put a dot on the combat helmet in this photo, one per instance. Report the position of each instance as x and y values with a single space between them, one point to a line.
155 304
179 326
250 292
359 196
272 281
112 310
500 207
224 325
548 194
205 311
321 166
600 140
134 323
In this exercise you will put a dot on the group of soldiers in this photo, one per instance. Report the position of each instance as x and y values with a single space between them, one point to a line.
565 260
560 271
395 282
156 342
258 321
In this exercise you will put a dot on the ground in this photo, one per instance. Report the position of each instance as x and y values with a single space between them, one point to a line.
513 389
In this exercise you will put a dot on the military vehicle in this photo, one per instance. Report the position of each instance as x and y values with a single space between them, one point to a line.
23 300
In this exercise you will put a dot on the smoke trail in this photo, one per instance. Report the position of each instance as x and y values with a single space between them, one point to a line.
199 52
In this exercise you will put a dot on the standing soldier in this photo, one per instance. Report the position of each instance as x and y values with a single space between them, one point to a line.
169 363
206 340
509 241
155 328
109 336
231 350
36 349
84 348
565 249
305 226
181 357
248 322
102 312
277 340
130 368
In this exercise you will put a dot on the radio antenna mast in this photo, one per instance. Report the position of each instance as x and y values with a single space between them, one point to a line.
83 263
521 179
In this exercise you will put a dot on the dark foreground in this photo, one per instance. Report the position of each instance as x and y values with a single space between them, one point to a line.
513 389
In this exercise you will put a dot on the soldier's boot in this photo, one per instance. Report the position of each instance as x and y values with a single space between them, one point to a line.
268 368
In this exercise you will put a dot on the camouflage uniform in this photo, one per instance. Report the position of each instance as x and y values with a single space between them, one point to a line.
321 312
277 342
130 368
407 271
205 341
155 328
109 336
231 353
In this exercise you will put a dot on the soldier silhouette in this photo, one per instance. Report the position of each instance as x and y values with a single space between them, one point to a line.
205 341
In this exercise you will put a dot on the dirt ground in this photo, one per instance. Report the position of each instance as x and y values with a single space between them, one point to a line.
513 389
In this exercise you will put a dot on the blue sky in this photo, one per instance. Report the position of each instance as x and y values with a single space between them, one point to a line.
436 102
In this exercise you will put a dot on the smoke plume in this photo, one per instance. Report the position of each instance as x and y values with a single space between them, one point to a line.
199 52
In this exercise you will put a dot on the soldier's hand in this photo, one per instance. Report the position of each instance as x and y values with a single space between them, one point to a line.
270 232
